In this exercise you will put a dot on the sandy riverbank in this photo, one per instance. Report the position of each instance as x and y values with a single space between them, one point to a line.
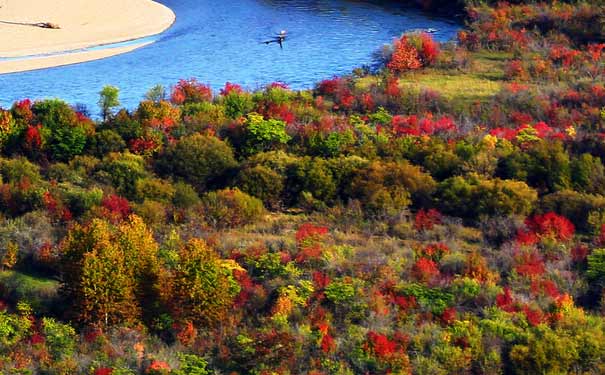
83 24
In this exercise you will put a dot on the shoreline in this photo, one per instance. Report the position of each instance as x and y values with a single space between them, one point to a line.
83 27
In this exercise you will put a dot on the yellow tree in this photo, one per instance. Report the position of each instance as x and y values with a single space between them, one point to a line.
203 286
97 282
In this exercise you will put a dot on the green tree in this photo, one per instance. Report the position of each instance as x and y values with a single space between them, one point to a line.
108 100
156 94
67 136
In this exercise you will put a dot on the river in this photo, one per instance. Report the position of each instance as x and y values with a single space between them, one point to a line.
220 41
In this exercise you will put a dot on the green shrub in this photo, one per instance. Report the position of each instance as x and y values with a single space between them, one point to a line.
123 170
60 338
340 291
230 208
471 196
104 142
202 161
262 183
192 365
154 189
184 195
264 135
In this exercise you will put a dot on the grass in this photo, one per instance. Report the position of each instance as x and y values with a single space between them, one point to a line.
39 292
461 88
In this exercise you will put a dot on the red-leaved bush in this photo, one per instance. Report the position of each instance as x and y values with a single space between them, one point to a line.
548 226
405 56
427 219
380 345
505 301
117 206
190 91
425 269
530 264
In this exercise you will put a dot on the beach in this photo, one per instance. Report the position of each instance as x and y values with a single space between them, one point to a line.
83 24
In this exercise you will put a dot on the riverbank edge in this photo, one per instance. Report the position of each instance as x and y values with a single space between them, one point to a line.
80 53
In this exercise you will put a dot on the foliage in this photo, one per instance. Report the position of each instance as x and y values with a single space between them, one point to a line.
231 208
202 161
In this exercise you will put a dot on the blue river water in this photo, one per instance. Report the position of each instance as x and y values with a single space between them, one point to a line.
221 41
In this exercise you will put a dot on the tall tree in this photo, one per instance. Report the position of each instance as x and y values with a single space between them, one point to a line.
108 100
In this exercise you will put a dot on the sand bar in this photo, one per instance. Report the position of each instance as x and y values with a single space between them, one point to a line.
83 24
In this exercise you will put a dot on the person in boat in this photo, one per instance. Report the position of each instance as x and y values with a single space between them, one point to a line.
279 39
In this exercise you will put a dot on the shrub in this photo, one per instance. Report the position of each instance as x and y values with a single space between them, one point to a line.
596 265
263 183
192 365
340 291
123 171
202 161
231 208
263 135
184 195
470 197
190 91
106 141
405 56
60 338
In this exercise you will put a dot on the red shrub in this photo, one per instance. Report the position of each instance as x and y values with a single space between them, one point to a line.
551 225
425 269
427 219
412 125
380 345
50 202
530 264
309 233
321 279
158 367
505 301
186 335
190 91
231 87
544 287
23 110
516 70
281 112
142 145
404 302
434 251
405 56
36 339
449 315
392 88
103 371
330 86
328 345
33 138
430 49
534 317
116 205
66 215
580 252
595 51
367 100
